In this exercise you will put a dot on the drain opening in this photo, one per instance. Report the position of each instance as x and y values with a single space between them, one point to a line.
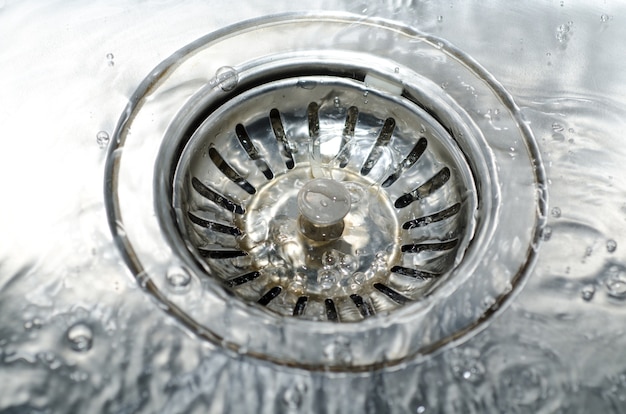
427 251
335 203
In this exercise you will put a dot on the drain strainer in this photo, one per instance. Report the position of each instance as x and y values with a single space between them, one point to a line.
318 206
332 202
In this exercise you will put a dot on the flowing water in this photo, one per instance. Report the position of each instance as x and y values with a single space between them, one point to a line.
79 334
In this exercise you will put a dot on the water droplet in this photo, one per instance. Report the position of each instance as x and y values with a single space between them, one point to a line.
102 139
348 263
227 78
616 282
359 278
611 245
178 279
604 18
80 337
339 350
329 258
293 396
439 19
35 323
556 212
587 292
465 363
562 32
297 285
306 84
327 278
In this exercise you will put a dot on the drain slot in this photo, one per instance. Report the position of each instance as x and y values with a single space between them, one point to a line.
252 152
408 162
426 189
391 294
433 218
240 280
230 172
269 296
383 140
214 226
216 197
279 133
300 306
348 135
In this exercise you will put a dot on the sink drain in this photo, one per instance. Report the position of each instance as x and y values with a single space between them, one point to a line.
309 195
336 202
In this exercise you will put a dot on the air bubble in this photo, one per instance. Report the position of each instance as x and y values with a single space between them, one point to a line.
110 58
293 396
396 70
604 18
587 292
227 78
327 278
421 409
359 278
80 337
102 139
339 350
178 279
306 84
336 102
562 32
556 127
348 263
439 19
611 245
329 258
556 212
616 282
35 323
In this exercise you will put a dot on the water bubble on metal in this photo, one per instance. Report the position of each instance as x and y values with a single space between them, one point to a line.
102 139
80 337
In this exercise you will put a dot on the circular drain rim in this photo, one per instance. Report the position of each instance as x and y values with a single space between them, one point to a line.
395 333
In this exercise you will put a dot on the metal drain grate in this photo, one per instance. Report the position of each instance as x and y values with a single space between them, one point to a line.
411 195
317 206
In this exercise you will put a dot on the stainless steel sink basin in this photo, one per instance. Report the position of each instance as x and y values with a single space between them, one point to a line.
142 268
